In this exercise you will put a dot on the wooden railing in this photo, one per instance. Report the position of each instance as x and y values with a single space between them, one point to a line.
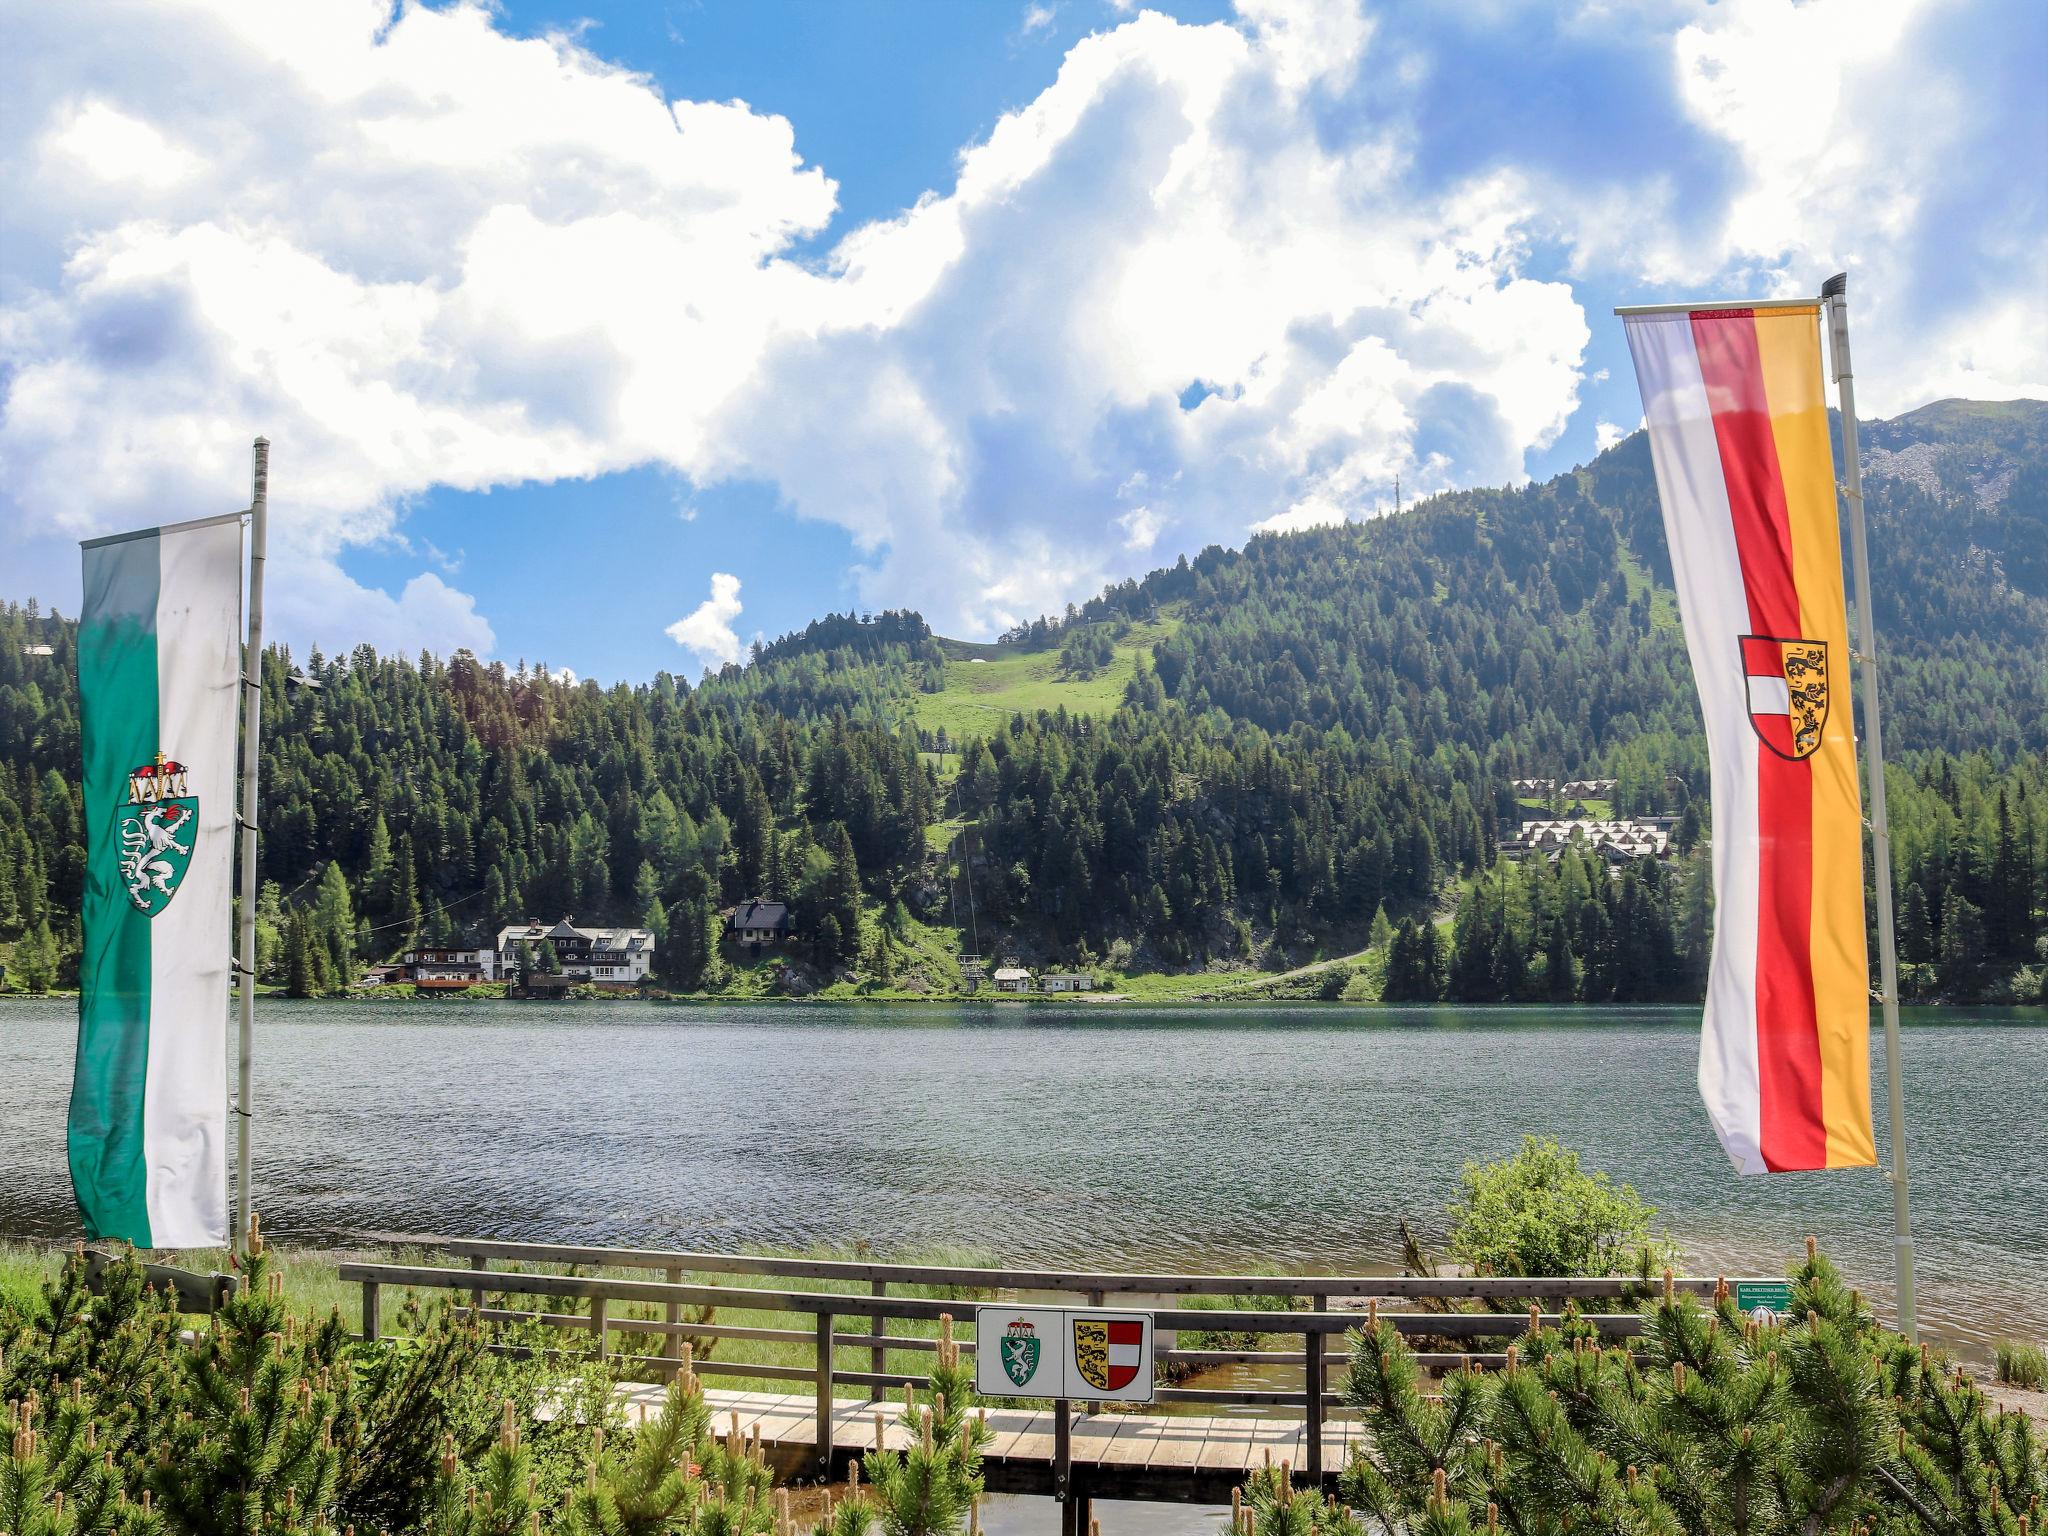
682 1286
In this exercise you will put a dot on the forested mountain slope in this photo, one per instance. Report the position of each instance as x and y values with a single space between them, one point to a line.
1241 758
1536 626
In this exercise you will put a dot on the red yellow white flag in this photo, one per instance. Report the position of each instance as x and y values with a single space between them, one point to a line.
1738 426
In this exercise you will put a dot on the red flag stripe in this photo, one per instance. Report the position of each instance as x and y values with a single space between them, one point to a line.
1791 1126
1126 1333
1793 1132
1733 373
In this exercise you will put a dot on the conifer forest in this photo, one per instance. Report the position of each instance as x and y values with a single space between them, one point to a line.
1313 754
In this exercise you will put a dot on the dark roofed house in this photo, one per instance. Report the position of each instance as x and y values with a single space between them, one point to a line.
755 923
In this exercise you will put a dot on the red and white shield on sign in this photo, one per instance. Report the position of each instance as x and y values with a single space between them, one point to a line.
1788 692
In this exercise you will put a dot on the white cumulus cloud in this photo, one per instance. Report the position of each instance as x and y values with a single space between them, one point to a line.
1201 284
707 630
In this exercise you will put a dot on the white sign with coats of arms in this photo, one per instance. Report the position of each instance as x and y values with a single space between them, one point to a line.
1081 1354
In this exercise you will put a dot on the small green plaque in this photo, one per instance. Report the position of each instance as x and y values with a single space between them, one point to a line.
1774 1296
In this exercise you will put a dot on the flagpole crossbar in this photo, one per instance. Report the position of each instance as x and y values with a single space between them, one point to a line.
1626 310
160 530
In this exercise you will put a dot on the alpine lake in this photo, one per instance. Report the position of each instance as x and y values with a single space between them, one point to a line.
1200 1138
1204 1138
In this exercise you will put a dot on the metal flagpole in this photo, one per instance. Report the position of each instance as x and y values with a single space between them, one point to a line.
252 736
1834 296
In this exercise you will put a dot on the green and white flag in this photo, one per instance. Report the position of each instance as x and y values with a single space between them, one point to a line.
159 670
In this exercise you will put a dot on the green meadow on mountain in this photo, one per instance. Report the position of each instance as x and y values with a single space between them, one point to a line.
1244 765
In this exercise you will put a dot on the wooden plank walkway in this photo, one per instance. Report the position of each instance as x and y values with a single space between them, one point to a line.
1180 1458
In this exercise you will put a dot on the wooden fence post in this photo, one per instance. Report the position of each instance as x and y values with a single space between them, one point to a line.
878 1357
1314 1427
824 1394
373 1312
598 1323
672 1346
476 1295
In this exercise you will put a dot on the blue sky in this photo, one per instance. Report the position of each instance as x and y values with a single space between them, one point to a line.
616 335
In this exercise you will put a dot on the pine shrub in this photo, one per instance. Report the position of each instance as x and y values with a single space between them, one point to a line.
935 1486
1715 1425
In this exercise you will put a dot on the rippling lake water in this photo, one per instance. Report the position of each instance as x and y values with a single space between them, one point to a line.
1170 1138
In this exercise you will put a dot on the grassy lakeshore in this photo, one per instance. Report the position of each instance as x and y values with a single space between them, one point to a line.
314 1288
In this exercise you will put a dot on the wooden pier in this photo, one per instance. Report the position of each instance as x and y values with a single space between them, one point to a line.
849 1314
1179 1458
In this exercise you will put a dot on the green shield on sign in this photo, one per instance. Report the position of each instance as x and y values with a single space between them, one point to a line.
154 841
1020 1352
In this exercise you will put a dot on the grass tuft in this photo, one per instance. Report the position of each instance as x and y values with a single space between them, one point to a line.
2022 1365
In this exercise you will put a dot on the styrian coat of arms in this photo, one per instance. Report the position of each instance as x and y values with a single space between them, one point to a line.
158 827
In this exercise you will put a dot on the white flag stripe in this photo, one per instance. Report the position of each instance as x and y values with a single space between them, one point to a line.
199 667
1706 570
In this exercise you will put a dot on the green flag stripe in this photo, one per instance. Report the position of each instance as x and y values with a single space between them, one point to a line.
117 686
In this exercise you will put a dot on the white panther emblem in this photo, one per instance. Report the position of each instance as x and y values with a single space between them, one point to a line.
145 840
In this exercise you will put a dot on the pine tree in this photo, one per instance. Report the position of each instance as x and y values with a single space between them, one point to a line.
35 960
690 956
2008 888
334 925
1381 936
647 902
931 1488
1430 968
1916 927
842 896
1559 966
270 930
255 1447
405 898
377 869
300 980
495 1498
1717 1424
1963 943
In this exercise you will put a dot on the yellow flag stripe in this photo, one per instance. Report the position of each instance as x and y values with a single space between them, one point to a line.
1788 345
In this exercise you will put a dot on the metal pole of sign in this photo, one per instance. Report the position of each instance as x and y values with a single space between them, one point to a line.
252 736
1834 296
1063 1465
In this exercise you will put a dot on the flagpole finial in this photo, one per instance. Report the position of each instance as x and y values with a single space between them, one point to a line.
1836 287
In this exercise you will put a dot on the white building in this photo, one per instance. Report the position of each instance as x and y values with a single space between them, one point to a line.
1067 981
1013 978
1613 839
607 956
448 967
